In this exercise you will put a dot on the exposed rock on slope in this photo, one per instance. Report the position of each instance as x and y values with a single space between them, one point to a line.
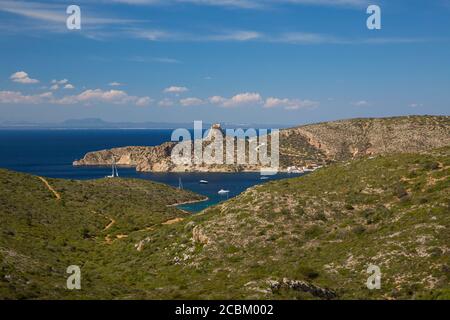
347 139
315 144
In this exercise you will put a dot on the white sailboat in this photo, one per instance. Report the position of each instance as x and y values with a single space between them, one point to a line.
115 172
203 182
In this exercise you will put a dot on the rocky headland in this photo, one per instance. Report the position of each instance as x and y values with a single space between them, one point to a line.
300 147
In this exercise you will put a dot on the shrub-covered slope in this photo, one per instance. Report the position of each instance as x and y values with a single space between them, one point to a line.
311 237
41 235
328 227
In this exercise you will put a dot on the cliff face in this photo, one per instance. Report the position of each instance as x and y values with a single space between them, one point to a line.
302 146
128 156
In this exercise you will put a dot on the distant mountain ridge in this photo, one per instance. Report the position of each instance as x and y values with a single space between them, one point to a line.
97 123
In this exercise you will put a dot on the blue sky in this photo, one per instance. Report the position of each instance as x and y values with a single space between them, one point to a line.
249 61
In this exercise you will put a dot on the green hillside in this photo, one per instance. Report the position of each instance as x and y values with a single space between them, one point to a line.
328 227
42 235
323 229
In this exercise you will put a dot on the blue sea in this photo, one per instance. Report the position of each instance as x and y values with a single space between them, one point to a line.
50 153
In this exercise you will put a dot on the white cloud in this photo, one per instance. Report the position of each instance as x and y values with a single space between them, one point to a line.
15 97
53 13
115 84
96 27
22 77
153 35
255 99
94 96
176 90
217 100
250 4
63 81
165 60
143 102
114 96
184 36
235 36
101 96
237 100
361 103
191 102
244 99
306 38
297 38
87 97
166 103
290 104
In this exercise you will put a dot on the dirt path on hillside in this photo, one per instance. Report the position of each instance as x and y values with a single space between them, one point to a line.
110 224
108 239
172 221
49 187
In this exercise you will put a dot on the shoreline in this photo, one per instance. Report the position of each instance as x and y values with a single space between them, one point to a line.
281 170
188 202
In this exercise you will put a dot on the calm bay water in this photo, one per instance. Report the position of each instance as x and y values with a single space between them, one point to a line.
50 153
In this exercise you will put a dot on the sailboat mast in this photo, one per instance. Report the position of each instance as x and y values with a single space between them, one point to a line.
112 174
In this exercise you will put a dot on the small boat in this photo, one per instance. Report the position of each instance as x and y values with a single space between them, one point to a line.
264 178
294 170
115 173
224 192
203 182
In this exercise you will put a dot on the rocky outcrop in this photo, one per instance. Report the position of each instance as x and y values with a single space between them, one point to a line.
159 158
199 236
127 156
303 286
309 145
